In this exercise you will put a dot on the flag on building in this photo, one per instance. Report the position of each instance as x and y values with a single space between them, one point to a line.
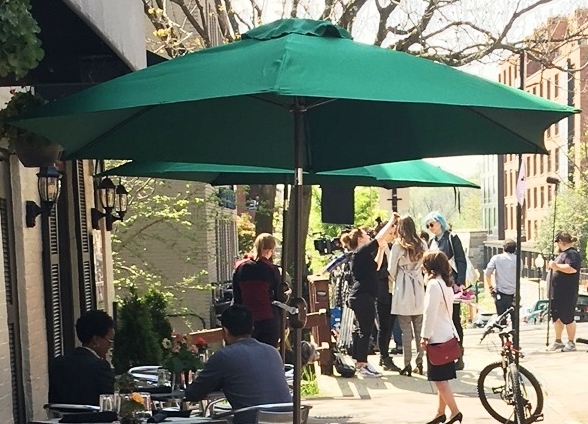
522 184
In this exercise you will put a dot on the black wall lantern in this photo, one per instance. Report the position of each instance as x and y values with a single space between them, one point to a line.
49 186
112 199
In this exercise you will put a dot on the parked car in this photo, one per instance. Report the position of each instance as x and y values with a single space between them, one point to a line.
537 313
581 314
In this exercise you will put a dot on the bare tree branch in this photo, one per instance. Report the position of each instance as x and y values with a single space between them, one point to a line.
294 8
384 12
350 11
199 28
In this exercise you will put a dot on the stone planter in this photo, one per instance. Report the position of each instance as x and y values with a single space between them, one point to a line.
33 155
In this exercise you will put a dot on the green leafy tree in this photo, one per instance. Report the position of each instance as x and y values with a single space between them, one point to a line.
135 341
246 233
157 303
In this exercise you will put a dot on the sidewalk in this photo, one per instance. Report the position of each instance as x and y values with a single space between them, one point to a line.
399 399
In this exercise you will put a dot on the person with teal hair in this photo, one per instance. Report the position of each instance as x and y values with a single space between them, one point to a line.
450 244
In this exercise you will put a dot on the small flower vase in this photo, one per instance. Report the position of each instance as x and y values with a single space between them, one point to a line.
176 381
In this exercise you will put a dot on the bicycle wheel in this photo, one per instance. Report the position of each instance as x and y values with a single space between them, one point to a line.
514 381
497 397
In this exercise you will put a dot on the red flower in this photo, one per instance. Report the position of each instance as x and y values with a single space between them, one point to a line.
200 342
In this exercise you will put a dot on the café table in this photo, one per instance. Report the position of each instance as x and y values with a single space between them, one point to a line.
189 420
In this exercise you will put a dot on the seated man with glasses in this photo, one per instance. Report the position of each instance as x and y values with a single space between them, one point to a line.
81 376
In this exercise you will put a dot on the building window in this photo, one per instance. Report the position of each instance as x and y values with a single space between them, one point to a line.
541 165
549 195
541 89
529 235
535 167
528 165
556 160
556 128
556 86
535 90
548 132
542 205
535 203
548 88
548 162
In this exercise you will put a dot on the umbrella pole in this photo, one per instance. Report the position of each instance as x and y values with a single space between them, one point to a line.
517 301
299 134
283 321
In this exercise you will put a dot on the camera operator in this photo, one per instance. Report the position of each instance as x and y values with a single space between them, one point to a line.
362 298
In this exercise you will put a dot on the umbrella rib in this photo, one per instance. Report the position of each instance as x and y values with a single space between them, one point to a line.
113 129
506 128
313 105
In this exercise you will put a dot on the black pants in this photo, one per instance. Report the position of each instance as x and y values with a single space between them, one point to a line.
364 307
502 302
456 318
267 331
386 324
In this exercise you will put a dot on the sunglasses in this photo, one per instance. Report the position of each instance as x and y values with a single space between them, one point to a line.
431 224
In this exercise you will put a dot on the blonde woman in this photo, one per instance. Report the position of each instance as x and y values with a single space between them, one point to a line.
256 282
408 289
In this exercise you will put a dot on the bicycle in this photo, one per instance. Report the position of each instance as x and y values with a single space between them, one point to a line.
503 382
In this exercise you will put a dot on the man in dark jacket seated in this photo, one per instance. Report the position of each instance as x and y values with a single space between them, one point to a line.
247 371
83 375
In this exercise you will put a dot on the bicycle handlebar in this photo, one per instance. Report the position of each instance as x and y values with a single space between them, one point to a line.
496 324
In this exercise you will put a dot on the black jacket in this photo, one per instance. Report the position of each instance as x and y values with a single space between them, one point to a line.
80 378
457 253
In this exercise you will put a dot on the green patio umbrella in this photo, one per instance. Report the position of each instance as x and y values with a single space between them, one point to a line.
391 175
296 94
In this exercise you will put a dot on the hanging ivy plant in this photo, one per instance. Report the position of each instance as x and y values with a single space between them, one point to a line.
20 48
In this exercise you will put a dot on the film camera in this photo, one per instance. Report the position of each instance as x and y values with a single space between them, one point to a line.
327 246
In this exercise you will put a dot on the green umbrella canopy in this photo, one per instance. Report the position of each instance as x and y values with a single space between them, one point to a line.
233 105
391 175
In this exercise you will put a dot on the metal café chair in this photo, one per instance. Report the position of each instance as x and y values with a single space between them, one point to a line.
266 414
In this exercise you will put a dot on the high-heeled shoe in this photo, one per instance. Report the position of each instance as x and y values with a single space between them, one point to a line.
418 369
439 419
457 418
407 370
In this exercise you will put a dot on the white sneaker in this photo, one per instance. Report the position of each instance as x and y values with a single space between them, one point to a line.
367 371
569 347
555 346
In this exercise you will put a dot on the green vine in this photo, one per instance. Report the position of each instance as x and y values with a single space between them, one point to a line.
20 48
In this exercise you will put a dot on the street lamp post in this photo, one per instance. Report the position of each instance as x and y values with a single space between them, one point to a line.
539 264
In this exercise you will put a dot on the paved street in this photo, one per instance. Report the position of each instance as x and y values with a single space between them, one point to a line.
399 399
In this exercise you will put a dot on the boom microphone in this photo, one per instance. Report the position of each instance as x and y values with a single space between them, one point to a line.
553 180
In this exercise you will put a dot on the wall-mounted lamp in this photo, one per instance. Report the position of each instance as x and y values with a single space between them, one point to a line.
49 186
112 199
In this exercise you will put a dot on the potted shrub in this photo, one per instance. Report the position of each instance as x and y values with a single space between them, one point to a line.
32 150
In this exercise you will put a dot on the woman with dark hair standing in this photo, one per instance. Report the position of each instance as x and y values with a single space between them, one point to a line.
364 287
256 284
450 244
408 292
438 328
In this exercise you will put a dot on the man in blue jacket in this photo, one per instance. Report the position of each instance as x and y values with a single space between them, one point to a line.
248 372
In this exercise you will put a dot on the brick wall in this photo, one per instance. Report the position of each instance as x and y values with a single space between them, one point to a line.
31 296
